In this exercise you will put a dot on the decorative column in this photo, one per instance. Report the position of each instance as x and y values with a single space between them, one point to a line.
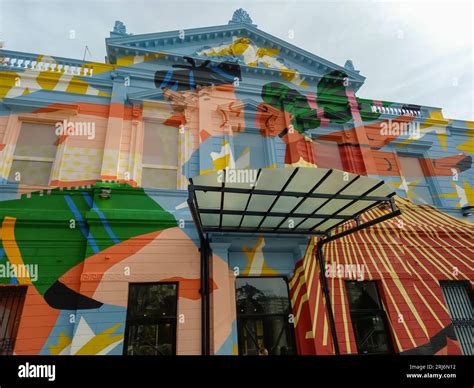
110 161
184 153
132 174
205 124
360 134
9 140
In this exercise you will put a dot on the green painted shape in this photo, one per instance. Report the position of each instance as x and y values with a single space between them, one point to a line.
290 100
365 109
129 212
332 97
44 236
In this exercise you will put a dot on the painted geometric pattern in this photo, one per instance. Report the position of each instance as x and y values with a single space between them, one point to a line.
81 164
281 126
408 257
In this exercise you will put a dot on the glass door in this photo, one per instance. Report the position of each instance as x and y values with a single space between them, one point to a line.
263 317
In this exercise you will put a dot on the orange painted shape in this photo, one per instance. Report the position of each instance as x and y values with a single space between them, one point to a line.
61 139
33 333
116 110
130 182
204 135
108 177
59 183
99 110
453 348
7 235
102 261
175 120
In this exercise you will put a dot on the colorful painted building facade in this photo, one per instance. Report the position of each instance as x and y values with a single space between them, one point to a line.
99 253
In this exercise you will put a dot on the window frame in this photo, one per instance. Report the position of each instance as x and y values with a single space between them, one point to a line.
153 320
54 160
154 166
239 316
425 168
380 313
7 344
341 152
346 154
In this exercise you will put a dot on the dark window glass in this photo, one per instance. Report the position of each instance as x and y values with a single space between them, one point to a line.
151 339
151 319
369 320
363 296
263 309
152 300
262 296
11 304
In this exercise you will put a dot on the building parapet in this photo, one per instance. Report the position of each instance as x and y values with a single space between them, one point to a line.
15 60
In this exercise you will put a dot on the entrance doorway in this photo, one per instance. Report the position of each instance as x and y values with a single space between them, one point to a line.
264 316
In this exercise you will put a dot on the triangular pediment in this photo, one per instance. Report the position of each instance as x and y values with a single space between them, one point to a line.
243 43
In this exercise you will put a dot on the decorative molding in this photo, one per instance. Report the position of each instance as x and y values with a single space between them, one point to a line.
24 102
241 16
416 145
124 44
460 131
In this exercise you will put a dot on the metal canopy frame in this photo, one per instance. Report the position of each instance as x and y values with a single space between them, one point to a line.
325 236
275 195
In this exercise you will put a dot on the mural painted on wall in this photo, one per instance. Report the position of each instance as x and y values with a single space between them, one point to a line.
190 77
81 290
434 246
291 115
250 54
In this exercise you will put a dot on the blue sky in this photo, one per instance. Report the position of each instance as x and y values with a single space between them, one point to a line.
410 51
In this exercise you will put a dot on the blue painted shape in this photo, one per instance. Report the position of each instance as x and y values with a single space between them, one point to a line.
222 73
82 224
62 326
192 83
102 217
167 78
227 348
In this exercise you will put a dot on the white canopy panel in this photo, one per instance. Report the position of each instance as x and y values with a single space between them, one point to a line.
283 200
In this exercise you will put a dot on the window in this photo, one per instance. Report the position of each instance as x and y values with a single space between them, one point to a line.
160 156
459 304
12 299
327 154
369 320
34 154
151 319
412 170
263 309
